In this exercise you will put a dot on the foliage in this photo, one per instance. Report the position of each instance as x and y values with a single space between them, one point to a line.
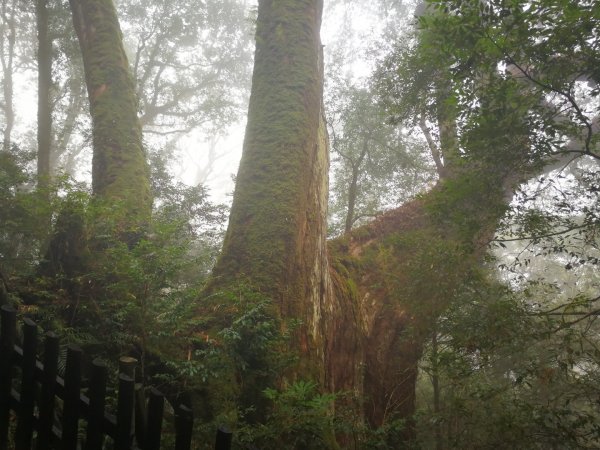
515 362
25 213
510 376
191 62
82 280
256 342
300 418
375 165
238 351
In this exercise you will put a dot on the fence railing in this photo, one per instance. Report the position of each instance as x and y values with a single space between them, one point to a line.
136 425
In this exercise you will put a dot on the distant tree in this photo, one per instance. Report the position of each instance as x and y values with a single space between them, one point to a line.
190 63
192 66
9 31
375 165
71 119
44 114
16 33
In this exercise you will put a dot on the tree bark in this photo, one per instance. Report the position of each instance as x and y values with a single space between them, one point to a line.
120 173
276 240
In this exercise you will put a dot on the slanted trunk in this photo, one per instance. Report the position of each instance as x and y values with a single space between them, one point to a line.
64 134
353 187
392 279
120 173
352 194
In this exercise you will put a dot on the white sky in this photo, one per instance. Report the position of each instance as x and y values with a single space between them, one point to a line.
365 26
194 147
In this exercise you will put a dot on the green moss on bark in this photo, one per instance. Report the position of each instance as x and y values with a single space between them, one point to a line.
276 235
119 168
275 243
270 201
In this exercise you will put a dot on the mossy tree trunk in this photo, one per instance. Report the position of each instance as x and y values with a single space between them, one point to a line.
120 173
276 239
366 301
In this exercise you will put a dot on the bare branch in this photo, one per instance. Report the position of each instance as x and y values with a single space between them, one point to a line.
435 151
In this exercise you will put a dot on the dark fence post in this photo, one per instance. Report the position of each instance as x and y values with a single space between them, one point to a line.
184 422
51 349
141 415
98 378
127 365
149 414
156 405
223 439
25 418
124 413
70 421
8 321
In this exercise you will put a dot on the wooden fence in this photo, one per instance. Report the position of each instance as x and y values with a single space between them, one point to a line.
136 425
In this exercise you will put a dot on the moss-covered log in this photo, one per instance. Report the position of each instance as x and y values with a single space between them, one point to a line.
120 173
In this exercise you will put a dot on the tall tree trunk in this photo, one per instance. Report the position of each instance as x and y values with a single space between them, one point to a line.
119 170
9 34
276 236
44 114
